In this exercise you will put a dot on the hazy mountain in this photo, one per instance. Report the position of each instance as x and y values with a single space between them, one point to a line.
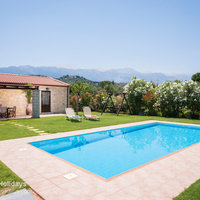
117 75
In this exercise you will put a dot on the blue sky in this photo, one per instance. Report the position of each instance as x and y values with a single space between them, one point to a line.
148 36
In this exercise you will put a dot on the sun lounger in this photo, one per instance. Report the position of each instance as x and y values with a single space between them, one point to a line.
88 114
70 115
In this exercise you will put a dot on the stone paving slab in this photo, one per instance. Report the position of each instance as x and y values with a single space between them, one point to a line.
40 132
162 179
18 195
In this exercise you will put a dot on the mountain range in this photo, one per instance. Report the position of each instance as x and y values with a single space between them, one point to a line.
118 75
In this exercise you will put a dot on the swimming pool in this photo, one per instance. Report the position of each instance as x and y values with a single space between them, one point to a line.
112 152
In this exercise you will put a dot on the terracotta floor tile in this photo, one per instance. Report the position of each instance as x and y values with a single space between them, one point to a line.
70 185
130 177
171 189
123 196
89 180
25 173
154 196
124 182
88 192
58 180
43 185
162 179
34 179
152 183
135 191
184 180
100 196
51 174
55 194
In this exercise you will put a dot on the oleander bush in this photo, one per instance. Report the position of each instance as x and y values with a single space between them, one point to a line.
191 99
73 100
87 99
150 99
100 100
117 100
168 99
136 89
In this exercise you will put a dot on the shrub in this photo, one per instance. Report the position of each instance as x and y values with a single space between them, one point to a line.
179 99
117 100
150 99
170 98
136 89
191 99
86 100
100 100
73 101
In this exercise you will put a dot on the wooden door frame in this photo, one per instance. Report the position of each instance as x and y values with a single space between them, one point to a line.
49 99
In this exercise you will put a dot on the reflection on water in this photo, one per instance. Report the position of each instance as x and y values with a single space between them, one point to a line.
65 143
109 153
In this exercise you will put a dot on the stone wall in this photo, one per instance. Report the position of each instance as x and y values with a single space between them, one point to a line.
18 98
58 98
10 98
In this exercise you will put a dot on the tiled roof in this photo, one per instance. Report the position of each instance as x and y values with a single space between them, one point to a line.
15 79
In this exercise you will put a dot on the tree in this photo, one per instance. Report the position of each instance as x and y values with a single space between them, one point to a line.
104 83
77 89
91 88
196 77
110 87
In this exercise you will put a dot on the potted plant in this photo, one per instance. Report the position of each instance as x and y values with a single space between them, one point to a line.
29 101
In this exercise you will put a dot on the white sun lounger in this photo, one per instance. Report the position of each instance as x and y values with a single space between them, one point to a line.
70 115
88 114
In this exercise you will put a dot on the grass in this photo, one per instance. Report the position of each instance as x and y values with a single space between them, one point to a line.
9 181
58 124
191 193
11 131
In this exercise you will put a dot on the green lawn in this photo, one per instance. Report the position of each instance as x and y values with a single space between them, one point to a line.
9 181
58 124
191 193
10 131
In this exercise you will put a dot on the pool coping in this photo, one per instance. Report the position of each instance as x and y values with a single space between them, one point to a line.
17 155
133 169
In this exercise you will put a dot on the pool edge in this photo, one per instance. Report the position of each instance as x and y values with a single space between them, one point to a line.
112 128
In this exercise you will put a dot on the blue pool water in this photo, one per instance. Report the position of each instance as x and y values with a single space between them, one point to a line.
109 153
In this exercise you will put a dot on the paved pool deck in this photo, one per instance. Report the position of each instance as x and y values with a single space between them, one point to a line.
162 179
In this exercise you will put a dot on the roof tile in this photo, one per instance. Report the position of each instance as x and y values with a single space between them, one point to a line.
26 79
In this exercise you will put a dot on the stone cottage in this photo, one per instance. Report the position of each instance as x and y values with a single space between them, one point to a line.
48 95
